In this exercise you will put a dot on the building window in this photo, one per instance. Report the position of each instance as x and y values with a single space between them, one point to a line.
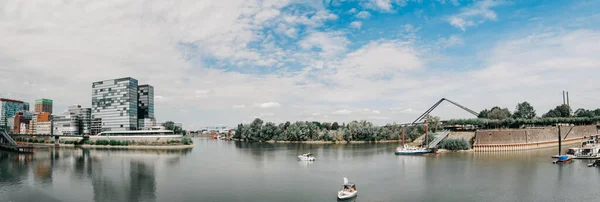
121 126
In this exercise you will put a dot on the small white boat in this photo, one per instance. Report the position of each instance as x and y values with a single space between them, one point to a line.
408 150
348 190
595 163
306 157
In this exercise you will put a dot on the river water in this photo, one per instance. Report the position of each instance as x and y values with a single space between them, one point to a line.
237 171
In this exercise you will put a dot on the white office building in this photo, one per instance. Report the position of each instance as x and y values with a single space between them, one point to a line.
67 125
115 102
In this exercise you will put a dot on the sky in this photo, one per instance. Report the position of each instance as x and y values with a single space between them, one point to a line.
224 62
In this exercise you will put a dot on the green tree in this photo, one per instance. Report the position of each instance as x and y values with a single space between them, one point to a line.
597 112
483 114
335 126
584 113
269 130
499 113
254 132
170 125
560 111
239 132
433 122
524 111
326 125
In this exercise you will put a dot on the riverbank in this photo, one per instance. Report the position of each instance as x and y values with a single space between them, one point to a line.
329 142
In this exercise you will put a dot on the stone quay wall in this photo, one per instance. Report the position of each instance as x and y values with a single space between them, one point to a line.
529 138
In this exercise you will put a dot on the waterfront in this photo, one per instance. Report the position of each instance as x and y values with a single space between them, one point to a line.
239 171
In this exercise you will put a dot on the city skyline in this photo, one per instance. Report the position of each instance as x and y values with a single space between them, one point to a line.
382 61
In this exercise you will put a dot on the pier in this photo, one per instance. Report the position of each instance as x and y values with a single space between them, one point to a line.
7 143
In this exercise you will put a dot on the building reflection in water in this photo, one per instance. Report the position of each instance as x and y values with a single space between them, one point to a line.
114 175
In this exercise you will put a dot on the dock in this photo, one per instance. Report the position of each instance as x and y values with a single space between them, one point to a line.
7 143
18 148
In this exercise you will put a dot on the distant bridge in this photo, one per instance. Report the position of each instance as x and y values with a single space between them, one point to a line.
420 118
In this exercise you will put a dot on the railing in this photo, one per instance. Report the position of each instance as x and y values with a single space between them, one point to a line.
441 136
7 139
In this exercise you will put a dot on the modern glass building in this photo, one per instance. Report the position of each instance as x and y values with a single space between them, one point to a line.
145 102
8 109
115 103
85 114
67 125
43 105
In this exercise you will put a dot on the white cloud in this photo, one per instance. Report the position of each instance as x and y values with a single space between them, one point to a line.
238 106
265 15
451 41
342 112
475 14
266 114
330 44
104 41
352 11
383 5
382 58
363 15
270 105
356 24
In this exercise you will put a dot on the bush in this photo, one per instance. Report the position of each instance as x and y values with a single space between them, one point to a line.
430 136
114 143
87 142
51 141
102 142
455 144
186 141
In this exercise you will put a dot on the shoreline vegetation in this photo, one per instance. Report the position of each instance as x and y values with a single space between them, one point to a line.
355 132
185 143
315 132
312 132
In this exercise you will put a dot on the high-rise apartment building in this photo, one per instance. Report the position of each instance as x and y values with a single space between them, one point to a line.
43 105
145 102
115 103
85 114
8 109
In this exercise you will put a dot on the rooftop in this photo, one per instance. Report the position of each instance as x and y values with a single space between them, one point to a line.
10 100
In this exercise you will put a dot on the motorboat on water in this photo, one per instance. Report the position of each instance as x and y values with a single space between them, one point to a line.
408 150
307 157
595 163
563 159
348 190
590 149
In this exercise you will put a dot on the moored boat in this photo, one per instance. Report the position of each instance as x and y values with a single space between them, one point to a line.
563 159
348 190
306 157
596 163
408 150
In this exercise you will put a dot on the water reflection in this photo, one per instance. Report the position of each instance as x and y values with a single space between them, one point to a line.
113 175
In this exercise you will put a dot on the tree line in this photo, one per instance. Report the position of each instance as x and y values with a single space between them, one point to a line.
524 110
525 114
258 131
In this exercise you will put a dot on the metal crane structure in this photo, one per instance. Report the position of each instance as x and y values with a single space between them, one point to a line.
420 118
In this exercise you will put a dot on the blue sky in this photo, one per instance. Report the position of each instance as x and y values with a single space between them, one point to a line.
225 62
